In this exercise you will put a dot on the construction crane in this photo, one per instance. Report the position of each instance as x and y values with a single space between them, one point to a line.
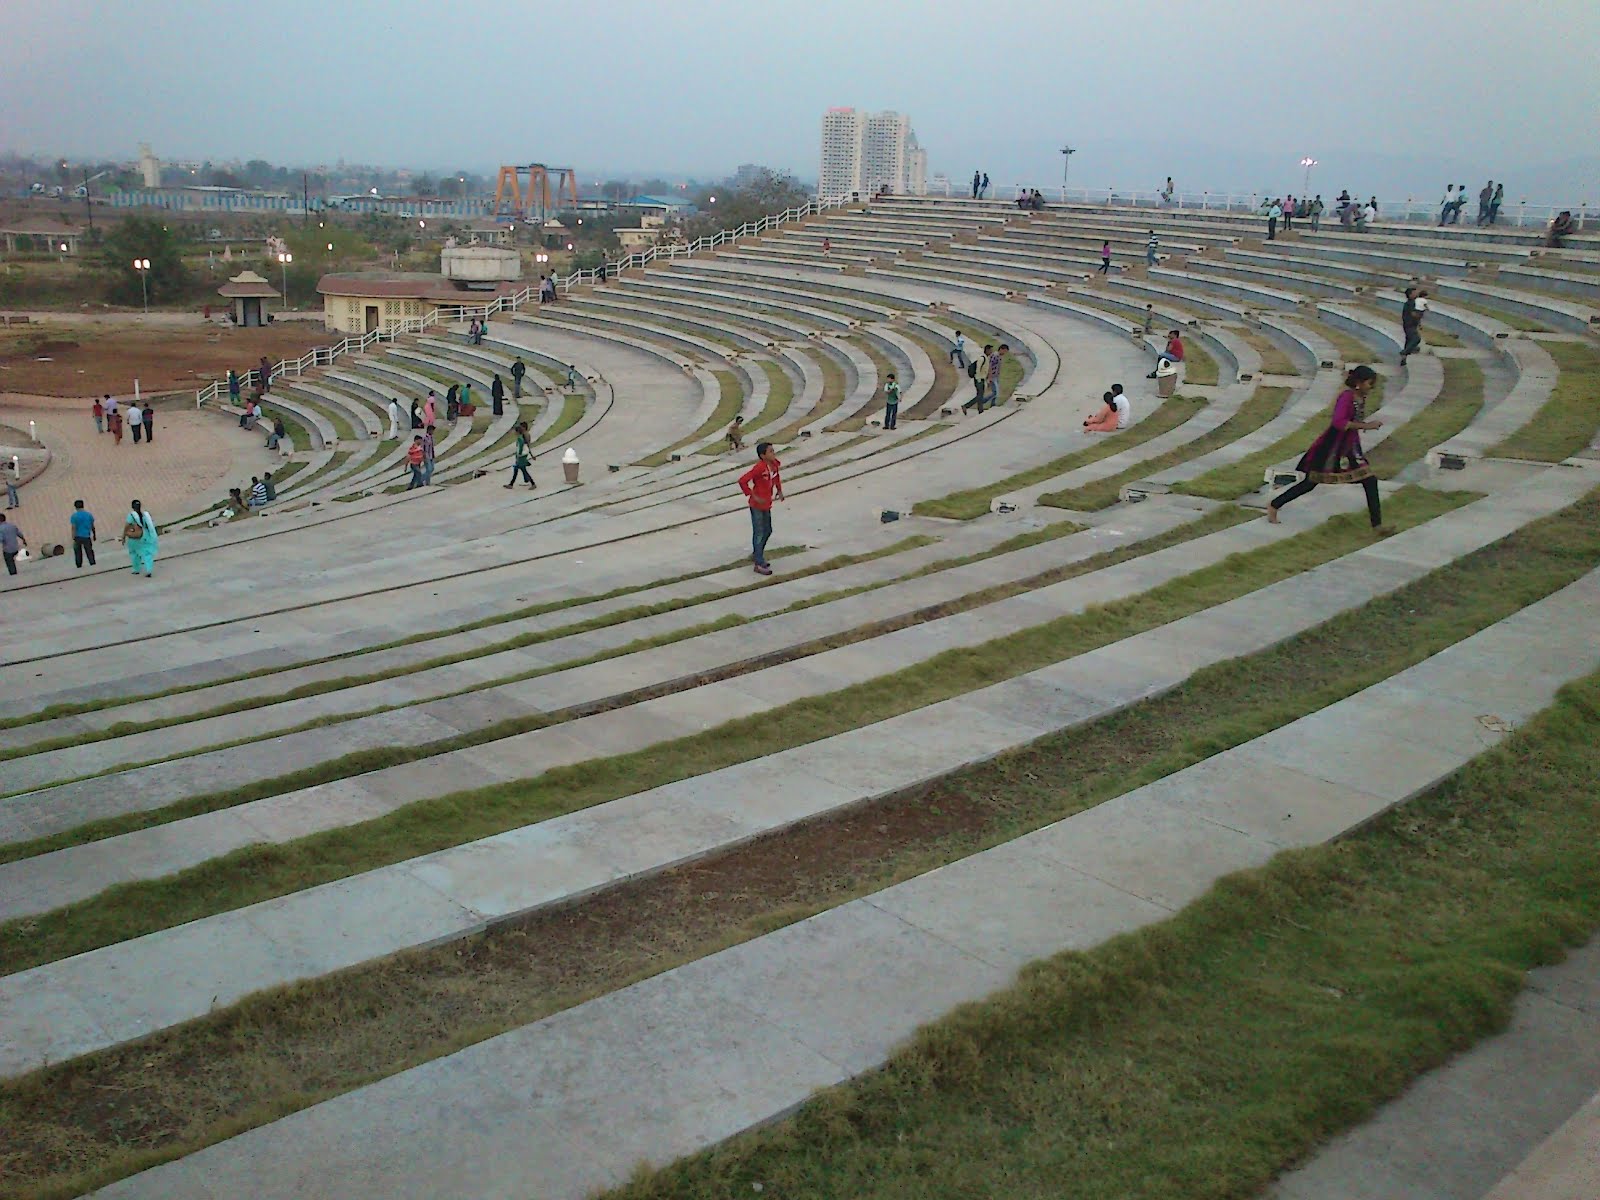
535 204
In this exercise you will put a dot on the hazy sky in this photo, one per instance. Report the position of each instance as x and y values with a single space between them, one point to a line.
1217 92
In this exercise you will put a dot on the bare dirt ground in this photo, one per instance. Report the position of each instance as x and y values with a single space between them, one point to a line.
80 356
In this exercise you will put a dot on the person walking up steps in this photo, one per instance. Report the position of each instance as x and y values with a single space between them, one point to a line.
1411 313
518 370
13 482
1336 456
891 403
519 464
11 543
83 535
414 461
1105 258
978 372
761 485
1151 248
958 352
996 360
139 536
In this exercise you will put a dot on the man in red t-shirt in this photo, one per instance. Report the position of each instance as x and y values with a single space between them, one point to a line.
1172 354
761 484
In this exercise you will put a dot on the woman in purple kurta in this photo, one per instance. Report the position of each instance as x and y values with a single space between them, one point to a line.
1336 456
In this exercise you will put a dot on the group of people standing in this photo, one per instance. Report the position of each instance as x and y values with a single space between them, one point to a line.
980 185
1490 197
139 419
139 535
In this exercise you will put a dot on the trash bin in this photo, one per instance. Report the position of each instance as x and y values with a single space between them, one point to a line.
1166 379
569 465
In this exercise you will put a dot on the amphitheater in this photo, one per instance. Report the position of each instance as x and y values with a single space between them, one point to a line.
468 842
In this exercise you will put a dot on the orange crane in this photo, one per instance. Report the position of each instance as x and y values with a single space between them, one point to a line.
534 204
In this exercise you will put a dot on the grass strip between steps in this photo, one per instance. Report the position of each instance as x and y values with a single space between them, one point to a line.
1264 404
1570 419
1199 364
1459 400
88 1121
1235 479
13 851
975 502
780 394
1274 361
1198 1058
571 413
256 873
834 389
730 400
531 610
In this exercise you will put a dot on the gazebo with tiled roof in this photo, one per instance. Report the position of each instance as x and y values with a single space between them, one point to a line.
246 291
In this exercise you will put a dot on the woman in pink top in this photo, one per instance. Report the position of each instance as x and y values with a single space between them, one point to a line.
1106 420
1336 456
428 407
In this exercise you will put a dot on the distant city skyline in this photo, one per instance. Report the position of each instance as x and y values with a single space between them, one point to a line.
1220 97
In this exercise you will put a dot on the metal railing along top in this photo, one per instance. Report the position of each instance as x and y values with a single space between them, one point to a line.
359 344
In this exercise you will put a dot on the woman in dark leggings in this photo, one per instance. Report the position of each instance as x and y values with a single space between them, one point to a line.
1336 456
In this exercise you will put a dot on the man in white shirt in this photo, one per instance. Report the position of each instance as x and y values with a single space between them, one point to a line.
958 354
111 405
1124 409
1448 204
136 421
394 417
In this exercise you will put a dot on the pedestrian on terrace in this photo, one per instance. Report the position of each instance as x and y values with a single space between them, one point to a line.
958 352
13 481
136 422
1411 314
519 465
518 370
497 395
978 371
1151 249
99 416
1105 257
83 535
1336 456
395 414
762 484
11 543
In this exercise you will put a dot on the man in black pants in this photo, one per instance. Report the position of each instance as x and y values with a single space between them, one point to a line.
82 534
1411 321
979 372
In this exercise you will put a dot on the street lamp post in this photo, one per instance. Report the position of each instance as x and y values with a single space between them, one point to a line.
284 260
142 265
1066 164
1307 162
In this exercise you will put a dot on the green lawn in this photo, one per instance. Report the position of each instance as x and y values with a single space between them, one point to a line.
1263 404
260 872
571 413
1199 367
730 400
1220 1043
1197 1058
1460 397
975 502
1570 419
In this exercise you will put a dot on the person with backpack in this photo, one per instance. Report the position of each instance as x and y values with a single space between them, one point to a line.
978 372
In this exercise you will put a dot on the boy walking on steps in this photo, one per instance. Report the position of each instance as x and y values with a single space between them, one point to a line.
761 485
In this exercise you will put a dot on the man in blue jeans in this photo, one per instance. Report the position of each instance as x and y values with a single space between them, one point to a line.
761 484
82 521
991 396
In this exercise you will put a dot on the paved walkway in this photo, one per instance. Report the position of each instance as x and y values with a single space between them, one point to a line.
1455 1132
195 458
696 1054
61 1008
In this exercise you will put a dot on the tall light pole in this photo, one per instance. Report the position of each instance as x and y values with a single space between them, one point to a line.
1066 165
284 259
142 265
1307 163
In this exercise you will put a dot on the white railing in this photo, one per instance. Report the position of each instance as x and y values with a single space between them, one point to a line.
1424 210
323 356
675 250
